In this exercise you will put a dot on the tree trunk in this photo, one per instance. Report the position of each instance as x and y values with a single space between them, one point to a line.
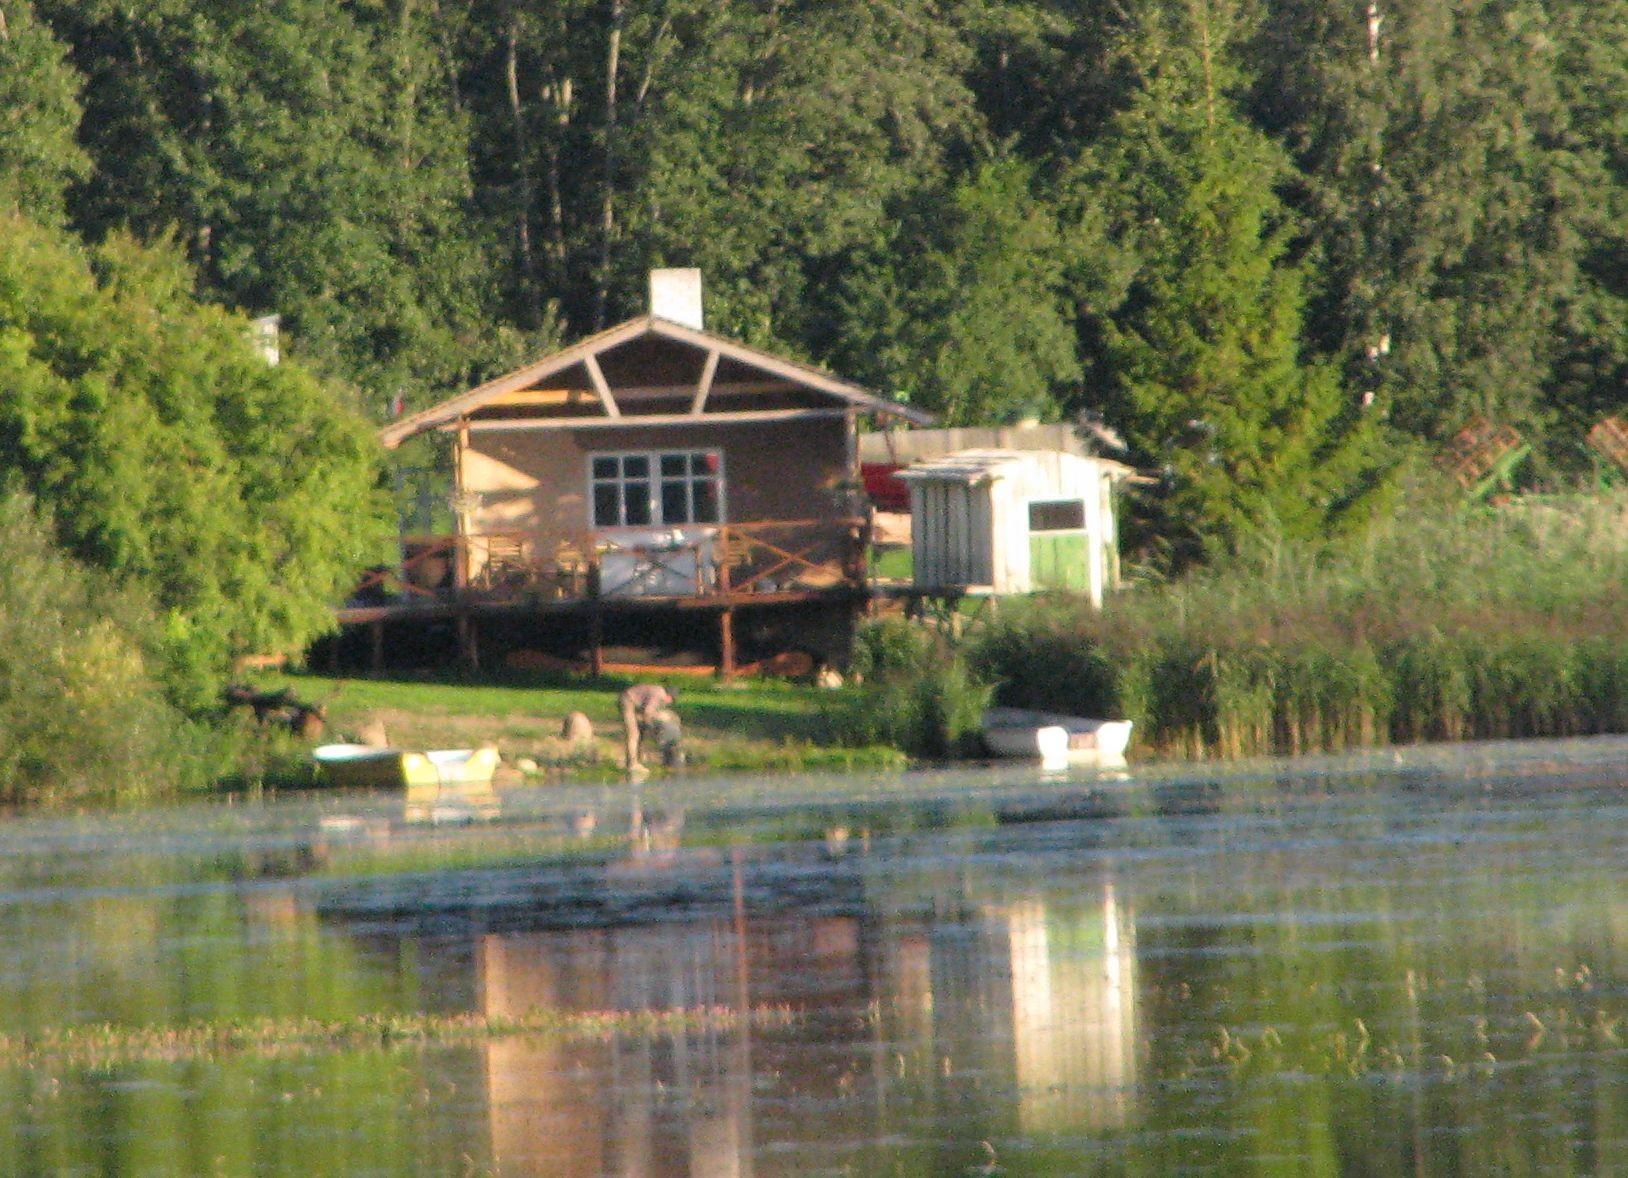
607 215
560 94
522 161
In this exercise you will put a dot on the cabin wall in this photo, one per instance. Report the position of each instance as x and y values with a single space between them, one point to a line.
536 480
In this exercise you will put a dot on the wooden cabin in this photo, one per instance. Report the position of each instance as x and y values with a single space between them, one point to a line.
1013 521
651 468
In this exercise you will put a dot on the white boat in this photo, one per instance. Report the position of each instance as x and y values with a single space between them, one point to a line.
361 766
1054 739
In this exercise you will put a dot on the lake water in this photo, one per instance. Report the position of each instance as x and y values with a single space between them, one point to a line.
1411 961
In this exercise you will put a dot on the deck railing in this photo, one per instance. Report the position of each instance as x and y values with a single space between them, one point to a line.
724 560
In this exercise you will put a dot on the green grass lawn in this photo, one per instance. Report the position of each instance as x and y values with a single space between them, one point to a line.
752 724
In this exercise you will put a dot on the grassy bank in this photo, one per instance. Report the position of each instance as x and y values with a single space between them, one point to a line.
755 726
1508 623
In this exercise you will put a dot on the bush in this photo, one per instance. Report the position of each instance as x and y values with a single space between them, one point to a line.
916 693
81 710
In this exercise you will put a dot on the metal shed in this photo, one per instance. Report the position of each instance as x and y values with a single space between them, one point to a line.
1013 521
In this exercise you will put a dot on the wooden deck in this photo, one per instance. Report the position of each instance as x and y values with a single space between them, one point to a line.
508 575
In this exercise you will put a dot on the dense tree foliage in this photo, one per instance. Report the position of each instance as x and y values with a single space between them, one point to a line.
962 306
1458 160
313 158
239 496
1417 209
39 116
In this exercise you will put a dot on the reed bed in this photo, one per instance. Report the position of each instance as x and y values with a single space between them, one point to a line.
1506 623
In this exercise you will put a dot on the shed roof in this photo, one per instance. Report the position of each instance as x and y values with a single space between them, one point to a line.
971 467
648 328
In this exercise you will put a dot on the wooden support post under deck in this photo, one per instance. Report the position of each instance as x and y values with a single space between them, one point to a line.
468 644
726 644
376 653
596 642
460 553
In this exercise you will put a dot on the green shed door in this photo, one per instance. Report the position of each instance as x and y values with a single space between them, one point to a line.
1057 545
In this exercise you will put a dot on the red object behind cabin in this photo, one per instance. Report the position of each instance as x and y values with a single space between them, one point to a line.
883 487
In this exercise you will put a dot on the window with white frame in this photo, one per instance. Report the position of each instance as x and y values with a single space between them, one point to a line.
645 488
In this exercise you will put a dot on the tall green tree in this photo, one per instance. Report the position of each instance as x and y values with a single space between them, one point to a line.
1590 375
39 116
1203 334
314 159
240 496
962 310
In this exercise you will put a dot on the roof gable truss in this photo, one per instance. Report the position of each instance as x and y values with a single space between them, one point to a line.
528 387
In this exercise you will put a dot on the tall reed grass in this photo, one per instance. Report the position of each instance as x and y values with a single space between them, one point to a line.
1440 626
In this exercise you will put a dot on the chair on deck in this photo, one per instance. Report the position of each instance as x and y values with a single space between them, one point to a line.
571 569
507 563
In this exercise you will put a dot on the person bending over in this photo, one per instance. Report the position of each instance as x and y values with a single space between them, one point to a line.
640 704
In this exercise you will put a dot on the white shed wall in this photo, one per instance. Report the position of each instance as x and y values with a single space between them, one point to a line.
971 524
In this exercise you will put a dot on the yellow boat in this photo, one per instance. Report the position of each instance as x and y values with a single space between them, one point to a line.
360 766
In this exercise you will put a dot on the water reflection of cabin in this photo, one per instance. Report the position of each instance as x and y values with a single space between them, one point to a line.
650 469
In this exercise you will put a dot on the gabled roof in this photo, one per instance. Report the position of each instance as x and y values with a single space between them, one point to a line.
646 326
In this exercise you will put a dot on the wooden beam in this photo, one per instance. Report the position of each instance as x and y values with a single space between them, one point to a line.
531 375
704 389
719 387
468 644
591 363
536 397
726 644
586 351
675 419
460 556
571 395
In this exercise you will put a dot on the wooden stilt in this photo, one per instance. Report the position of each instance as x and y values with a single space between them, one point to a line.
726 644
468 648
596 641
376 653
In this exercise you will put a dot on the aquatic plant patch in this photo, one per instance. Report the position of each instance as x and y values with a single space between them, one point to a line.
105 1045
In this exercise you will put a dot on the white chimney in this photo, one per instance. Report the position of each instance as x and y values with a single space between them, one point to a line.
675 295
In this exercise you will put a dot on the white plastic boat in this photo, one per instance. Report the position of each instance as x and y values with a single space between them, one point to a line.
1054 739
